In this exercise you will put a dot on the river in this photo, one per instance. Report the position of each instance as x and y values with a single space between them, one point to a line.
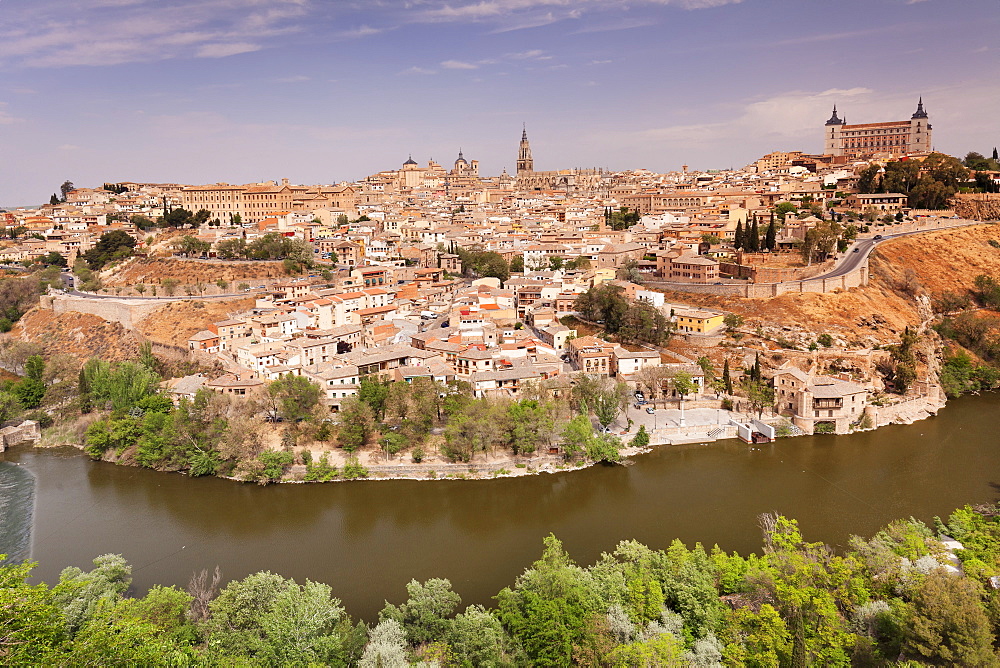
368 538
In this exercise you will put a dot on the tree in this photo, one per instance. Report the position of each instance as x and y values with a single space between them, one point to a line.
605 448
547 608
357 424
478 639
190 245
683 384
32 629
610 402
277 622
782 209
54 200
577 436
426 614
770 237
297 396
113 245
386 647
727 379
738 240
66 188
79 593
231 249
170 285
760 395
947 624
752 241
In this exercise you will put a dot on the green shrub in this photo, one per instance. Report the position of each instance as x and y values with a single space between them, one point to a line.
321 471
353 469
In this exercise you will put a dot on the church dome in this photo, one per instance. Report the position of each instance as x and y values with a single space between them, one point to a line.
410 161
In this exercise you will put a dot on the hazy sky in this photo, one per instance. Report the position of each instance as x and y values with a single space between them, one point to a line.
320 91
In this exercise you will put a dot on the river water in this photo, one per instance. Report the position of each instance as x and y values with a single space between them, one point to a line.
368 538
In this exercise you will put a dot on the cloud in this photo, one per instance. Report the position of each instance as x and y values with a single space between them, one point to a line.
361 31
786 116
50 34
458 65
224 50
418 70
6 118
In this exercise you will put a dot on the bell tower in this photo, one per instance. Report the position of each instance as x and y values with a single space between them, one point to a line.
525 164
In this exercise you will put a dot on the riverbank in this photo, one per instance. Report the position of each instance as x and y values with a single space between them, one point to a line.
666 427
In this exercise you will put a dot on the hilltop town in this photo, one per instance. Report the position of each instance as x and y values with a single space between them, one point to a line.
715 304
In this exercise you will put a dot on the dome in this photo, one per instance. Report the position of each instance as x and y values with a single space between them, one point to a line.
410 161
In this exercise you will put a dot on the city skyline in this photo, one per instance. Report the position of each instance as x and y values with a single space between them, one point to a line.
250 90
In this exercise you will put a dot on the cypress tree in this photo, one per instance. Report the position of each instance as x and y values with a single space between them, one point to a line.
753 242
83 388
727 380
770 236
996 156
755 370
738 238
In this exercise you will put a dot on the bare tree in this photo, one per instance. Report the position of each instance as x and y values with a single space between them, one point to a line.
767 523
203 591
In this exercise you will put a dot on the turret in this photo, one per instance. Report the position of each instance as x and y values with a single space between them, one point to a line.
919 113
836 120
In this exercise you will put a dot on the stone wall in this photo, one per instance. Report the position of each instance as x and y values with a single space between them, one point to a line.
29 430
123 311
977 206
854 279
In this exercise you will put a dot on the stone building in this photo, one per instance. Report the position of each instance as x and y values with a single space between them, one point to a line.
895 138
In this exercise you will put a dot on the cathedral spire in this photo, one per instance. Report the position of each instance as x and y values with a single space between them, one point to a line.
835 120
525 163
920 113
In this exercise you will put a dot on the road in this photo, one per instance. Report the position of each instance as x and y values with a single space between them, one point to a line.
852 260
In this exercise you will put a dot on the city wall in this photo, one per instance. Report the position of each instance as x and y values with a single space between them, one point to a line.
124 312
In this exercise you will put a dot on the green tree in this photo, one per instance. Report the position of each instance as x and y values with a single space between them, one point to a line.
577 436
296 396
477 638
111 246
547 609
79 593
32 628
357 424
947 624
426 614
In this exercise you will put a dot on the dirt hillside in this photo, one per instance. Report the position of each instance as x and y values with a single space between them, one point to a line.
175 322
152 271
924 264
78 334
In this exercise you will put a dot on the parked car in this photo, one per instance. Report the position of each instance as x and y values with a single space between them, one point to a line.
639 395
650 410
856 250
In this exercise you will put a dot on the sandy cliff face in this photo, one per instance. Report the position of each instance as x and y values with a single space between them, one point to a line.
78 334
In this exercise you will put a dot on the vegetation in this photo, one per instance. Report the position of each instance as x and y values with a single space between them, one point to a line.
629 321
114 245
929 184
887 600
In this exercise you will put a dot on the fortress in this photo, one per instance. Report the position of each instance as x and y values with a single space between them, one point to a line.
895 138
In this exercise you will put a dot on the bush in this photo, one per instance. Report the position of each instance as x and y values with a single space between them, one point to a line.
824 340
321 471
274 465
418 454
353 469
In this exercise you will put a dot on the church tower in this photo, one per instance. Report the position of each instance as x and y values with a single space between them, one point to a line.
525 164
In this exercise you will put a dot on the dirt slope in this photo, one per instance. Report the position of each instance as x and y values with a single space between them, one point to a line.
946 260
78 334
175 322
152 271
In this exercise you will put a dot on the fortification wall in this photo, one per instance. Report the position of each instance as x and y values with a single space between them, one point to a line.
853 279
126 313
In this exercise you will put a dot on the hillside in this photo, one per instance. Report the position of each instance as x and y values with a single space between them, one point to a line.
923 265
78 334
175 322
152 271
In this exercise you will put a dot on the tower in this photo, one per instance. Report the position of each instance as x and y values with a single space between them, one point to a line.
525 164
832 141
920 130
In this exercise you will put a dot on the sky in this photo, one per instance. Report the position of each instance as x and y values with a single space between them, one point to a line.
323 91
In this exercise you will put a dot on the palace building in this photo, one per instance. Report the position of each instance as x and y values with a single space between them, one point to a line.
895 138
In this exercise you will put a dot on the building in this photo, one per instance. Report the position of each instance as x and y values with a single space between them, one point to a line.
819 404
698 321
693 269
895 138
567 180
